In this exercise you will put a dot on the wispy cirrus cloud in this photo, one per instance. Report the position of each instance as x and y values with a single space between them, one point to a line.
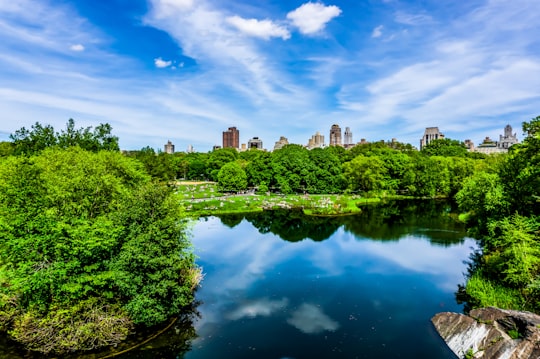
377 32
456 73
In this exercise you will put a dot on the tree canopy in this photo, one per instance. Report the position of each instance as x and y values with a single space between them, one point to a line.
40 137
89 247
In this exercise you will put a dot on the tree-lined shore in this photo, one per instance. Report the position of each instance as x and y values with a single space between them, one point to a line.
94 241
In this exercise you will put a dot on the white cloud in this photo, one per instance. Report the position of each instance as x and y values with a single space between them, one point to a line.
259 28
262 307
310 319
233 64
311 18
160 63
77 47
377 32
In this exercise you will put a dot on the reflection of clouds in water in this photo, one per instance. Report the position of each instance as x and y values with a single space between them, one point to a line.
310 319
415 254
262 307
237 259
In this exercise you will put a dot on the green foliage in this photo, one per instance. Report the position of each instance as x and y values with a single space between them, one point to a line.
365 174
218 159
259 170
513 251
485 292
82 227
502 201
445 147
232 178
41 137
521 171
484 196
292 168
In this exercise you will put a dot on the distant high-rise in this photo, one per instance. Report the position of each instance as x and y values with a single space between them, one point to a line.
280 143
169 147
348 142
316 141
508 139
255 142
430 134
231 138
335 136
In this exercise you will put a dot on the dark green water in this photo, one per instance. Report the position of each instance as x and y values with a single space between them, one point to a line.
282 285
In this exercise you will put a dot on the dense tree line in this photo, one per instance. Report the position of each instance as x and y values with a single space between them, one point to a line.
90 245
376 168
503 206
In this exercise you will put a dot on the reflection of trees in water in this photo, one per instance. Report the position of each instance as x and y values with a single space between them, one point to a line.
231 220
396 219
289 225
392 220
174 342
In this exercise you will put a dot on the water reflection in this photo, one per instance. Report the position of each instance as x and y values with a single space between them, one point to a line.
346 296
358 286
260 307
389 221
310 319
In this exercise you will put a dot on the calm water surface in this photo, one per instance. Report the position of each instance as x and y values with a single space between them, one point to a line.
282 285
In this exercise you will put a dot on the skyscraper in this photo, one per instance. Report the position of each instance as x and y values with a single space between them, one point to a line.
430 134
231 138
335 136
348 142
169 147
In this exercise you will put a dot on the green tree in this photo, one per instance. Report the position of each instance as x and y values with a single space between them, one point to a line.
327 175
218 159
483 196
232 178
259 170
365 174
520 173
83 237
41 137
31 141
445 147
292 168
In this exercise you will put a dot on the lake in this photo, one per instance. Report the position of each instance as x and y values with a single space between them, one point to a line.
279 285
283 285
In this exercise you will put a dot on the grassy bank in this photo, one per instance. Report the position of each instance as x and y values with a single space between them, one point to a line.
203 198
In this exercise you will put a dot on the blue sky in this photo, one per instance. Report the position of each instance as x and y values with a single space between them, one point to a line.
186 70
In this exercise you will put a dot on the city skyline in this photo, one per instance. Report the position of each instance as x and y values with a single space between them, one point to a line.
185 70
507 136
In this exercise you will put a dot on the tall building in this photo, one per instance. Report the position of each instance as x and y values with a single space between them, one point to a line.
348 141
231 138
335 136
280 143
316 141
169 147
508 139
490 146
255 142
430 134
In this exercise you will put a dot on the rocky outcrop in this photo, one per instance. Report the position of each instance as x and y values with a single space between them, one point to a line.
491 333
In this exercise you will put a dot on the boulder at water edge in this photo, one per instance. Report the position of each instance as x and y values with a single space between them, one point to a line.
491 333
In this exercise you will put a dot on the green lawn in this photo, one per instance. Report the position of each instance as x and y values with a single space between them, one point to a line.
203 198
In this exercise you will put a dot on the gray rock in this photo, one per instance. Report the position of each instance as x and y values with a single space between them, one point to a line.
491 333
